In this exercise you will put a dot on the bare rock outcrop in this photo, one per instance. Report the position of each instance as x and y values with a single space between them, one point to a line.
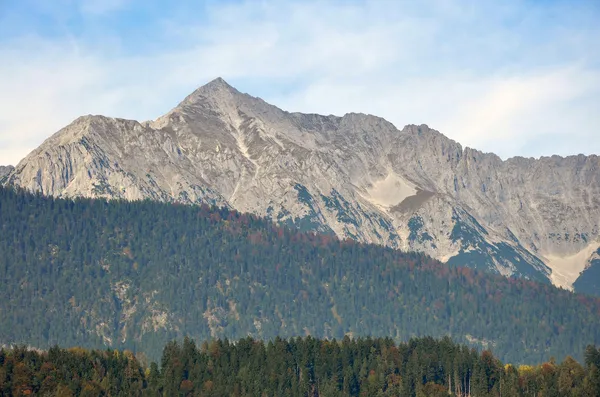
5 170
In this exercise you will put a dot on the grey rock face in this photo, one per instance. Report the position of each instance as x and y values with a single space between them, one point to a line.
5 170
356 176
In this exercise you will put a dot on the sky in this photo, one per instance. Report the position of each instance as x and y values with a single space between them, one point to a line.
513 77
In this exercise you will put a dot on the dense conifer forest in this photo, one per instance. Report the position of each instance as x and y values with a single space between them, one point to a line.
135 275
300 367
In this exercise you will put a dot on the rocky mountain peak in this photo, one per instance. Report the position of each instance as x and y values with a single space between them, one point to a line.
218 82
354 176
215 87
216 91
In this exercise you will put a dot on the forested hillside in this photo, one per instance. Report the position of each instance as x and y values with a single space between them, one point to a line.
137 274
301 367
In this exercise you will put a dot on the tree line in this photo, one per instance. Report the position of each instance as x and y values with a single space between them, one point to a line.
302 367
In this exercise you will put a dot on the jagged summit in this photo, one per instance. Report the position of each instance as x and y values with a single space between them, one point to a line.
218 82
355 176
217 89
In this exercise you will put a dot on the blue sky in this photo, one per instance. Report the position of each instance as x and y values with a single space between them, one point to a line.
512 77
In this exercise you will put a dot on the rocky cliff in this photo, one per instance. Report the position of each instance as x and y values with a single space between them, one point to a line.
5 170
355 176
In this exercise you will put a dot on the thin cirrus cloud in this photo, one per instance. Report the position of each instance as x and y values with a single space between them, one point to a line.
514 77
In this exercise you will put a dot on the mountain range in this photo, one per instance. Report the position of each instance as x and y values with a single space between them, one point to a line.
355 176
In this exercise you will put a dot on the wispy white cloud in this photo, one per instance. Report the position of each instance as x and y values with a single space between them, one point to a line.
498 76
513 110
